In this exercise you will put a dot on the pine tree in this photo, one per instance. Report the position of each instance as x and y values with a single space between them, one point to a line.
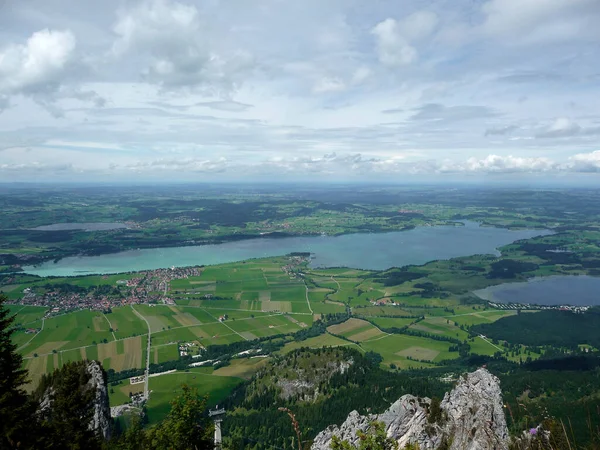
185 426
15 408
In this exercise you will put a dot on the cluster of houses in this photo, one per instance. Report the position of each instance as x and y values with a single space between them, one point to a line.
151 286
290 269
518 306
185 348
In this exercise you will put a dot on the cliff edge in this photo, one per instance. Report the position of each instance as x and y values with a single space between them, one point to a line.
470 417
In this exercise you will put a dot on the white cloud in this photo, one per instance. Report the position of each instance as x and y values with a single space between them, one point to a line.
395 38
250 88
501 131
419 25
37 66
563 127
329 85
508 164
392 48
585 162
527 21
361 74
174 42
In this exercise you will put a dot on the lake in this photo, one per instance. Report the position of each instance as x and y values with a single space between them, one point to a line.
376 251
85 226
549 291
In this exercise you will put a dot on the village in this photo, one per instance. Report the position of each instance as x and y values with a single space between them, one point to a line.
149 286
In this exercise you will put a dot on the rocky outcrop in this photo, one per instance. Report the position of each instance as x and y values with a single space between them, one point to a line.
93 394
101 421
304 385
470 417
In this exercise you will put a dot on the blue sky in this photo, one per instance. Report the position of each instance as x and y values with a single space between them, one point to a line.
314 90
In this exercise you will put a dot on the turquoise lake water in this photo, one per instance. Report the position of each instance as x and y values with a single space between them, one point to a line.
374 251
548 291
85 226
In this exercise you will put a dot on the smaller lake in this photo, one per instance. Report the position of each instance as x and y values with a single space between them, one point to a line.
548 291
85 226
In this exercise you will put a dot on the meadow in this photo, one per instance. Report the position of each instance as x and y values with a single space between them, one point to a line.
254 299
164 387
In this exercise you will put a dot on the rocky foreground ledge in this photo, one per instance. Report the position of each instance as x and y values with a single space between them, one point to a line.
470 417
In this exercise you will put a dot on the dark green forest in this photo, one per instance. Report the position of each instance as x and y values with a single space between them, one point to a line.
553 328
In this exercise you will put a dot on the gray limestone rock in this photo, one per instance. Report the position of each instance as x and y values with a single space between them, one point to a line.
472 418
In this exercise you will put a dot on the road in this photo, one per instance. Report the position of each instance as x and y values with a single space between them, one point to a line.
336 282
147 377
307 300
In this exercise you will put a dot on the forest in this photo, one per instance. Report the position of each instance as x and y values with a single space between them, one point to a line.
552 328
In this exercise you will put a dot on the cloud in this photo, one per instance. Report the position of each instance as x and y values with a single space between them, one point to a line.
392 48
193 165
279 86
438 112
226 105
173 41
39 167
38 66
585 162
419 25
4 103
329 85
523 77
361 74
564 127
502 131
395 39
535 21
508 164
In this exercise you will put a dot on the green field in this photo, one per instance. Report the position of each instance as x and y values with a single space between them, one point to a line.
164 387
398 348
26 315
125 323
73 330
259 299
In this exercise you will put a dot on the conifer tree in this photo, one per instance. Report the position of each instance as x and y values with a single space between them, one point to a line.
15 408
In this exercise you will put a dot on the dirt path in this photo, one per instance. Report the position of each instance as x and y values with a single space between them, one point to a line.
242 336
110 327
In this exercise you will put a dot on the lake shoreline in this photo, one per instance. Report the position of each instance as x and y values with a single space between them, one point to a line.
369 251
555 287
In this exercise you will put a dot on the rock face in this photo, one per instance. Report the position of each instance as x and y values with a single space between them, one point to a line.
101 421
470 417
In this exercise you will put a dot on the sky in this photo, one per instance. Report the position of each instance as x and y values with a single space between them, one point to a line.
311 90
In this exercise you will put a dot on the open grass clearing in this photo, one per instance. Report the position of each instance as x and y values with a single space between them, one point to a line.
242 368
165 387
348 326
371 333
419 353
392 346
